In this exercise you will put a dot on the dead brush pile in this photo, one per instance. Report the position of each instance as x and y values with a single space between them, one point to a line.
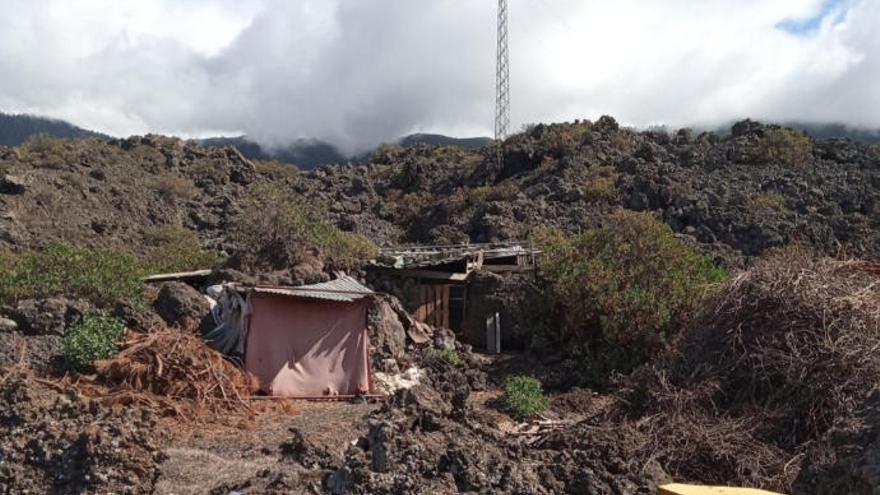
777 356
176 367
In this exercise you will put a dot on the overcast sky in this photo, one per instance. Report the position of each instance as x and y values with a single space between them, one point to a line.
357 72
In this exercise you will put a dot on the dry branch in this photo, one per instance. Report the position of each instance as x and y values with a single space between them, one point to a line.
175 366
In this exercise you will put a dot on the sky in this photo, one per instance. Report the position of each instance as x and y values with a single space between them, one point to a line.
359 72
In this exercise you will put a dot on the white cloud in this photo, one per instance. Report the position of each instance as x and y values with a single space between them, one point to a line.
360 71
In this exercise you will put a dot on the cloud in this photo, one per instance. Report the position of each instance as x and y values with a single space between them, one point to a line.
357 72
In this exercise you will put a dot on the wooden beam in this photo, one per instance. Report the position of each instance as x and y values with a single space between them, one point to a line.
164 277
445 292
506 268
430 274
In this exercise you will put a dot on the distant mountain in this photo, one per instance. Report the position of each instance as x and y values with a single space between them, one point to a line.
304 153
16 129
828 131
441 140
311 153
816 130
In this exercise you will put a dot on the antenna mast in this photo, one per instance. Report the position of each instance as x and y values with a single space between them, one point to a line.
502 76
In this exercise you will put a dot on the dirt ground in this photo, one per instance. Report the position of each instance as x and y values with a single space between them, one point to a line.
204 456
232 453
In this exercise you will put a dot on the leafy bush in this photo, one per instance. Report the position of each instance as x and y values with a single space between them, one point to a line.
386 153
556 139
276 230
171 188
176 249
99 276
601 184
449 152
523 398
618 293
89 340
437 356
408 206
44 145
788 147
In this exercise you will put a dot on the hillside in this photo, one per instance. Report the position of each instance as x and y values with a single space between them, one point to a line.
704 308
308 154
735 196
469 144
16 129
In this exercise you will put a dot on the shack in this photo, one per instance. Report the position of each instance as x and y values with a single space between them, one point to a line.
459 287
305 342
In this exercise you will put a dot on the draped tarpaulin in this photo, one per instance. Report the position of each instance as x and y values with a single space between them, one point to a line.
301 347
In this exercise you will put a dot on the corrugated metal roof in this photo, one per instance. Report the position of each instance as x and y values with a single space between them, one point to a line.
426 256
345 289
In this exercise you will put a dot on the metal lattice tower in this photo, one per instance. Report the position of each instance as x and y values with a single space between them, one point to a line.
502 76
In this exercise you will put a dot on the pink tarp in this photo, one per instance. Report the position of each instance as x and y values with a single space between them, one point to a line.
301 348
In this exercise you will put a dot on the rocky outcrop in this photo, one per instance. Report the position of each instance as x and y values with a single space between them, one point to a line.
58 443
734 196
387 333
721 193
47 316
182 306
10 184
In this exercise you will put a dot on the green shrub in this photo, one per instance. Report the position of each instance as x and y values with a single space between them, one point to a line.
386 153
176 249
448 152
89 340
601 184
99 276
559 138
617 295
273 229
438 356
407 206
788 147
523 398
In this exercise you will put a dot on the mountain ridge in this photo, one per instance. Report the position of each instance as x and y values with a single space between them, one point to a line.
308 153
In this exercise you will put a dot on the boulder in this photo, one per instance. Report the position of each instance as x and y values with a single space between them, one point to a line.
387 333
47 316
11 184
140 319
182 306
8 325
309 271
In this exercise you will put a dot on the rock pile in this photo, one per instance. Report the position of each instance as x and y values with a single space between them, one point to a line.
55 442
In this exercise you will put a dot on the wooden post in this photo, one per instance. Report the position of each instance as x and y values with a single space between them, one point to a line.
445 289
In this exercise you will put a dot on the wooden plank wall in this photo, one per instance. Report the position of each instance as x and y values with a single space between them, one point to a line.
433 305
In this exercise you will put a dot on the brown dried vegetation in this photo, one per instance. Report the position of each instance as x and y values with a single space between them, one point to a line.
173 368
777 356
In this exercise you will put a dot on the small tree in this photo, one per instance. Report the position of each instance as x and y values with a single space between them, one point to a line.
523 398
438 356
89 340
788 147
275 229
619 292
176 249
